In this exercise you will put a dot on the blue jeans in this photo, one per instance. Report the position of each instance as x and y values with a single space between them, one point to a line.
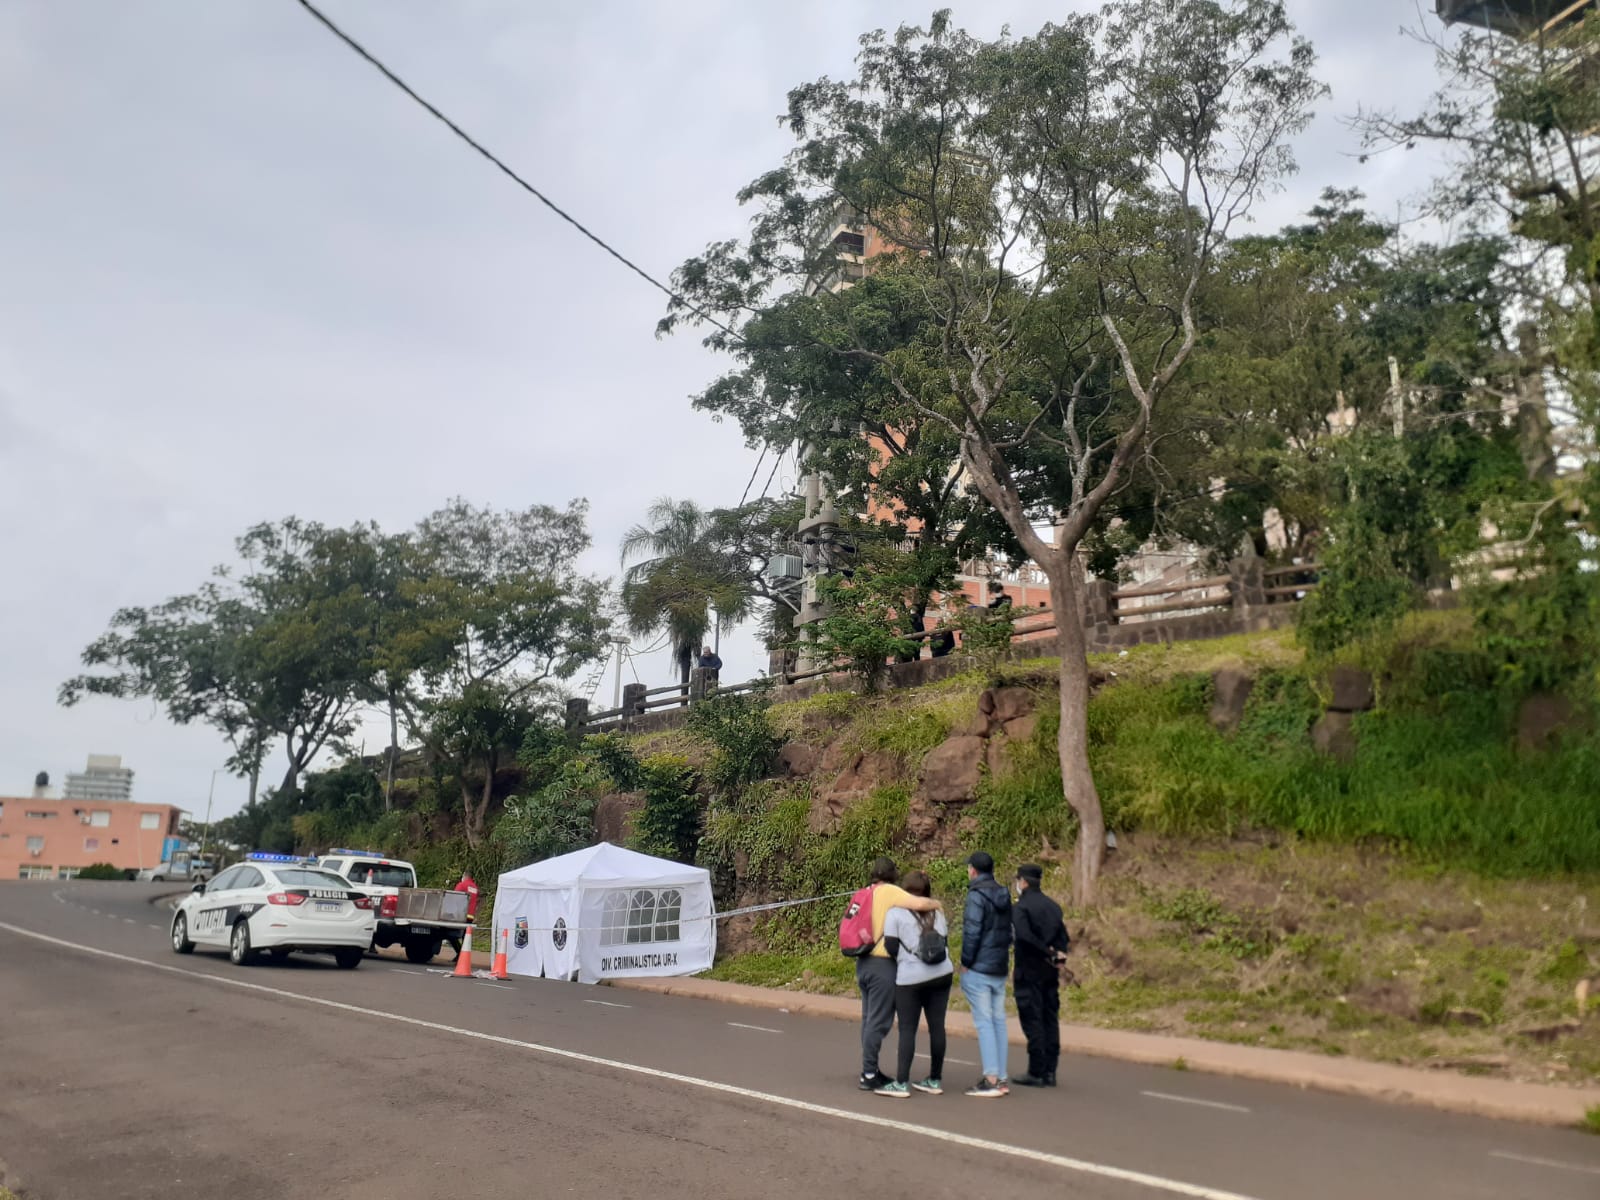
986 994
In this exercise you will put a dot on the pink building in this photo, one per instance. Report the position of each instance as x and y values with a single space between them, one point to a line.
55 839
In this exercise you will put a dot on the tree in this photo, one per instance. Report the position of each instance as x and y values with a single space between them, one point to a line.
502 593
1059 200
275 650
678 568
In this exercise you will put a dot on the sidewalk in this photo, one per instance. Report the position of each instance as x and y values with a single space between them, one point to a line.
1447 1091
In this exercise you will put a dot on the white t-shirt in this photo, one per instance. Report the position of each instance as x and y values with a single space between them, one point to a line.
902 923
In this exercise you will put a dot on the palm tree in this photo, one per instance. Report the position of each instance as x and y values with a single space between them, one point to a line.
676 572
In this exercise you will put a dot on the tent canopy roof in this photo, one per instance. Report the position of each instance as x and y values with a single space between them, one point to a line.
602 865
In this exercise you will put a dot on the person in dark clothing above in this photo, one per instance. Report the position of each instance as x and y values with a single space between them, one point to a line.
709 663
999 598
985 956
1042 944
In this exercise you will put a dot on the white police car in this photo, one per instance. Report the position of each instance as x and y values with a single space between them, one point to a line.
276 903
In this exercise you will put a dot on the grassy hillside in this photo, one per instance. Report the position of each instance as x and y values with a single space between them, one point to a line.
1431 900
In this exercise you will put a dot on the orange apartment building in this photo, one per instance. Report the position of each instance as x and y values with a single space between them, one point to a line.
55 839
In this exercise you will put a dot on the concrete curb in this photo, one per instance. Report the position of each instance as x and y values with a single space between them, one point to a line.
1501 1099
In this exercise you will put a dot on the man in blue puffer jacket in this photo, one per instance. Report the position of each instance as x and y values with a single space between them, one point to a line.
986 961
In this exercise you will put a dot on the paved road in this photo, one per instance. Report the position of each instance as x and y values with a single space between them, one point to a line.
128 1071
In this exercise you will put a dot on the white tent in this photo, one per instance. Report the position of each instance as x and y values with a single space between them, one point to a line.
606 913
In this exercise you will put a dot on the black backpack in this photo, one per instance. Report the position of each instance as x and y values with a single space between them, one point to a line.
932 947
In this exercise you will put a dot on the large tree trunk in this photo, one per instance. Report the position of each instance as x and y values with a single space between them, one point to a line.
467 826
1077 780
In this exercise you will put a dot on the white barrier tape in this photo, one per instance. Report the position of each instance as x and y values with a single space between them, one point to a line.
733 912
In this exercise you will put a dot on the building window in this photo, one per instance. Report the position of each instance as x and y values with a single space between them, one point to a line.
36 845
33 871
90 845
640 915
850 243
68 872
149 820
100 818
41 816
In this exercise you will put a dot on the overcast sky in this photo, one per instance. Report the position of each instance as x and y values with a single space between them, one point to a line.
242 277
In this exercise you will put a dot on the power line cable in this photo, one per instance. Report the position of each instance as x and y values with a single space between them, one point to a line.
509 173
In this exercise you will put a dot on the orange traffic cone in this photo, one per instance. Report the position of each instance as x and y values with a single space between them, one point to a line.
464 959
499 969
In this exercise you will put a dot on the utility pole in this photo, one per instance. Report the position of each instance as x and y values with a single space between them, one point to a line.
621 645
1397 399
817 533
205 836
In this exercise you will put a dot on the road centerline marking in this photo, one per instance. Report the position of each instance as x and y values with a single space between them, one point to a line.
1554 1163
1239 1108
1176 1187
757 1028
608 1003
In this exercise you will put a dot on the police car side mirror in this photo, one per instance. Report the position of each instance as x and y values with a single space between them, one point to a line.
199 887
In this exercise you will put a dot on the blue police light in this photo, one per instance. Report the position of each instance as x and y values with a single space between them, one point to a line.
358 853
269 856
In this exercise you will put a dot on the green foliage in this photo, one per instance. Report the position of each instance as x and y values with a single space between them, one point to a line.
668 825
743 740
680 567
1200 916
100 871
1591 1120
986 635
907 731
868 619
1438 778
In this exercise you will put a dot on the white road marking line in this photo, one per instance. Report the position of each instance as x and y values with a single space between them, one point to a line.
504 987
960 1062
130 920
1158 1183
408 971
608 1003
757 1028
1192 1100
1556 1163
157 927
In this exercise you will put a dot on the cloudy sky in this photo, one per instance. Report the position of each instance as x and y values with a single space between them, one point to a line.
242 277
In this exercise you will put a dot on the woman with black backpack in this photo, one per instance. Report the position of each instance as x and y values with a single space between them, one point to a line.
923 972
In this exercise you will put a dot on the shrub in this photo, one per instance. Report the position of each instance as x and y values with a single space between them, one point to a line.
669 823
743 740
101 871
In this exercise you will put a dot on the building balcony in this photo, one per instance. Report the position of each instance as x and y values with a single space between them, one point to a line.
1518 18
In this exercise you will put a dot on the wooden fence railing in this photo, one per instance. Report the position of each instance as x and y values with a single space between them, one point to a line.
1248 587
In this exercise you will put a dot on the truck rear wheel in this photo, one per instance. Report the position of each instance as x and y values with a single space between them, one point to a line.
419 950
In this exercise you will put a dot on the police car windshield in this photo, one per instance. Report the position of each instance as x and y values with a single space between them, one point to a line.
304 878
380 874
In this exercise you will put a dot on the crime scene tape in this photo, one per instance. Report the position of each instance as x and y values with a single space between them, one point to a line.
716 916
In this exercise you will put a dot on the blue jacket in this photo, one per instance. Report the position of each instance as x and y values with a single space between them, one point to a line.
986 928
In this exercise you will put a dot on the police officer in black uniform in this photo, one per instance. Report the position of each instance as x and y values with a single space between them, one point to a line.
1041 950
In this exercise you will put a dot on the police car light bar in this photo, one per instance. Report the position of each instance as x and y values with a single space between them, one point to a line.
358 853
269 856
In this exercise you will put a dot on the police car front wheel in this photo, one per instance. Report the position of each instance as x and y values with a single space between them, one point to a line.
239 945
180 935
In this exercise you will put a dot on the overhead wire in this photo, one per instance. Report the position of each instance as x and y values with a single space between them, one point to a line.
501 165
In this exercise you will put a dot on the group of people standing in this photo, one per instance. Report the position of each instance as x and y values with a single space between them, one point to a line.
907 976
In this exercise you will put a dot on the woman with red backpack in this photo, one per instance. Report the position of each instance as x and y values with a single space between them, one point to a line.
919 943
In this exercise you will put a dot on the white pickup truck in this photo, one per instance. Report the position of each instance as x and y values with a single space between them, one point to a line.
420 919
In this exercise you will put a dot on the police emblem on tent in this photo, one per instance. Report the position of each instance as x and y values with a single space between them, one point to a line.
558 935
520 937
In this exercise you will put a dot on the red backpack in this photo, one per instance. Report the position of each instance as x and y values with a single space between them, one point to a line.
855 931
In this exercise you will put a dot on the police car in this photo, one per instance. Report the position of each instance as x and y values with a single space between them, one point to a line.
276 903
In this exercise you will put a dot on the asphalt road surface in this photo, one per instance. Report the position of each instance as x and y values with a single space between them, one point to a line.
128 1071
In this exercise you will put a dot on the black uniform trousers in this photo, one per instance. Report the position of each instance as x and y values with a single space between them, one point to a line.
1039 1010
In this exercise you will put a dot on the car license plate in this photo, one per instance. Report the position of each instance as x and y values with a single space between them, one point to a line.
328 906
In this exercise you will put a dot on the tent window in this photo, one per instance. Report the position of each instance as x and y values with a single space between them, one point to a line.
640 915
